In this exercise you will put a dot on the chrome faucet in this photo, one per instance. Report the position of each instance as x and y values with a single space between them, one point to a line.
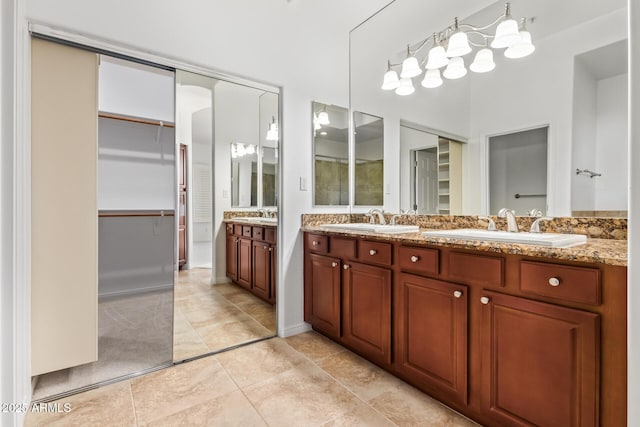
535 227
492 224
380 213
510 215
263 213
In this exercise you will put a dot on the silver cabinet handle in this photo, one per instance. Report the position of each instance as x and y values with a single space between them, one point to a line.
485 300
315 243
373 252
554 281
334 264
264 247
414 258
346 266
457 294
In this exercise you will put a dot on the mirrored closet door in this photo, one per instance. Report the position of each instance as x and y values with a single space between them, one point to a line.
227 140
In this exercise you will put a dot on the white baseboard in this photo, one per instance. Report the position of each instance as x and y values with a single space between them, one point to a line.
295 330
223 279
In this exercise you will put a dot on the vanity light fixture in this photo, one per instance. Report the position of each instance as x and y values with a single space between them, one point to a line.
451 44
272 133
323 117
240 150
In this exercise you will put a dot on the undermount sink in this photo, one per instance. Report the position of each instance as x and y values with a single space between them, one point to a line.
256 219
375 228
554 240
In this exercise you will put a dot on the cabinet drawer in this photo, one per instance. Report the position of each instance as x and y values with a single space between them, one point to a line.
270 235
476 269
375 252
418 260
258 233
246 230
578 284
237 229
229 228
343 248
318 243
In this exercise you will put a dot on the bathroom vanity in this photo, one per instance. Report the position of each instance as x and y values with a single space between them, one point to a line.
251 256
507 334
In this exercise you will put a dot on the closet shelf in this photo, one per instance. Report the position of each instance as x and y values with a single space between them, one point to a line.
152 122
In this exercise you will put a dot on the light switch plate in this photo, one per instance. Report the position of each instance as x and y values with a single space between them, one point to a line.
303 184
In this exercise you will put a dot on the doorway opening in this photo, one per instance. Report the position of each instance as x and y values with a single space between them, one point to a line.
518 171
424 174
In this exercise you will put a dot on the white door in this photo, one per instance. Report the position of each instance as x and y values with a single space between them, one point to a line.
426 182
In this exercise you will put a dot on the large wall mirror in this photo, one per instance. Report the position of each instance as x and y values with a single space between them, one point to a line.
368 136
330 155
569 98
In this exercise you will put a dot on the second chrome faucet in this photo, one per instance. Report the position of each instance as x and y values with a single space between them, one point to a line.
510 215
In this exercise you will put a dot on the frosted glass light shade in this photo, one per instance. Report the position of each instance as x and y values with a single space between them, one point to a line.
405 88
437 58
323 118
507 33
390 80
522 48
458 44
432 79
455 69
410 68
483 62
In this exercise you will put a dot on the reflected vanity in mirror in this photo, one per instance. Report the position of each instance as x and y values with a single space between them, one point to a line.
330 155
228 133
572 87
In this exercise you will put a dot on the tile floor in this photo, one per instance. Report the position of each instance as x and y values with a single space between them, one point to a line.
209 318
305 380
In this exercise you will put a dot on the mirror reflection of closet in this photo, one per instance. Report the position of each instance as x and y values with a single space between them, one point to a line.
217 121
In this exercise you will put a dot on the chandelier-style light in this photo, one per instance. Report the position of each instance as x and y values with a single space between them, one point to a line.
451 44
239 149
272 133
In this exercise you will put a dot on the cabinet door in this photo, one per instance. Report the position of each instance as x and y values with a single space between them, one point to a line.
232 256
244 262
322 293
366 319
431 334
540 363
262 270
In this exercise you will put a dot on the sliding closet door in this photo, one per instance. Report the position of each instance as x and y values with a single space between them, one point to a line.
64 270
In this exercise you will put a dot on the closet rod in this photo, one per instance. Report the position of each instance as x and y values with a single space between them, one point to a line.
124 214
136 120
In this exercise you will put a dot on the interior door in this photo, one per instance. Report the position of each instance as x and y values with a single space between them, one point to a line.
426 176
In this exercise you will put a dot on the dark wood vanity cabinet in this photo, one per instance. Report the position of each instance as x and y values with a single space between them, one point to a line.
251 259
508 340
431 334
540 363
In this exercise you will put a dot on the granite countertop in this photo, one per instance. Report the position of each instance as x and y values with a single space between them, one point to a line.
257 221
599 251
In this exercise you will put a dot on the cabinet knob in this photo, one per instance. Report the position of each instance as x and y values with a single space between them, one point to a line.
457 294
414 258
373 252
270 249
554 281
265 248
346 266
315 243
485 300
334 264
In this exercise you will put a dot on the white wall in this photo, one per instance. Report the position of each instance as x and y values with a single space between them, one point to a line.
583 146
612 144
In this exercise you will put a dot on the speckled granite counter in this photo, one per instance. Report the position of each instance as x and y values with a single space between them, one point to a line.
258 221
601 251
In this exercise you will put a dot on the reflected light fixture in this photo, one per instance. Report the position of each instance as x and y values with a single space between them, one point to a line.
323 117
272 133
451 44
240 150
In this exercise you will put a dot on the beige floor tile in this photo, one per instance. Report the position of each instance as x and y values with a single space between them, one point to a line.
267 320
163 393
91 408
407 406
232 409
221 336
208 316
314 346
227 288
303 396
241 298
363 415
258 362
186 341
358 375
